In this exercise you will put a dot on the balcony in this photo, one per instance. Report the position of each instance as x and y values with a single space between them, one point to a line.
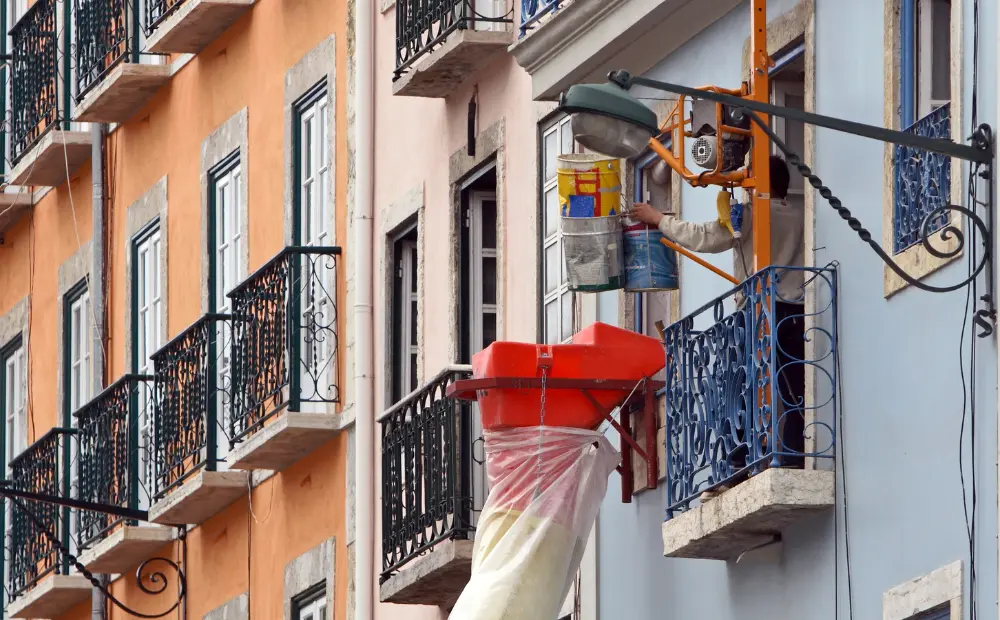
191 390
736 475
188 26
566 42
113 469
39 582
439 45
111 82
429 495
285 351
43 151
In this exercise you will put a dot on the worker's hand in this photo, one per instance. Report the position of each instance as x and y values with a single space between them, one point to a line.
645 214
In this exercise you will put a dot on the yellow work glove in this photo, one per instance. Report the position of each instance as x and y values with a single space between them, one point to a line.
722 206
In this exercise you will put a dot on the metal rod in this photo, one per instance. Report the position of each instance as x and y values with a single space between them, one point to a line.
118 511
892 136
701 261
760 156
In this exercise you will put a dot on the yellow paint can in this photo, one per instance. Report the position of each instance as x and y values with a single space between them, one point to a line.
589 185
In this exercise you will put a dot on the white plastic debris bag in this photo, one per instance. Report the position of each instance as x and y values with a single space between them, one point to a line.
546 486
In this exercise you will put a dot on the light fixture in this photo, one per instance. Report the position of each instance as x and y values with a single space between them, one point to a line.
608 120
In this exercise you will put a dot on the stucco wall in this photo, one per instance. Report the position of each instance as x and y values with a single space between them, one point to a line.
901 393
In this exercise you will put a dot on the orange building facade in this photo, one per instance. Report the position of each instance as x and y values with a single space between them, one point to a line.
187 362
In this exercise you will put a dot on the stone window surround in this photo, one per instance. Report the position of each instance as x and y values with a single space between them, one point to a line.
150 207
237 608
312 568
72 271
940 587
318 64
916 260
490 145
227 138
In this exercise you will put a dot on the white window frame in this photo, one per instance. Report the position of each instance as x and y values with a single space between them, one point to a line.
406 263
554 136
79 383
316 229
314 609
16 429
477 254
149 332
229 272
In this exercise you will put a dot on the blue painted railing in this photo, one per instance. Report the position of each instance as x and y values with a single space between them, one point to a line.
723 408
922 183
534 10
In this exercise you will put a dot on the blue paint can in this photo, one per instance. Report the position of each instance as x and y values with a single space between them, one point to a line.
649 265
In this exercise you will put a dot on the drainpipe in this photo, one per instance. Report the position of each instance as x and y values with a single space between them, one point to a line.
97 291
364 577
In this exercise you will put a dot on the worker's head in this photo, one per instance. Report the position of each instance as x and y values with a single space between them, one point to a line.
779 178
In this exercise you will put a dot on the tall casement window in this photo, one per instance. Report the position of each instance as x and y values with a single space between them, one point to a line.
923 180
13 399
225 272
314 227
147 323
405 319
77 326
479 297
556 312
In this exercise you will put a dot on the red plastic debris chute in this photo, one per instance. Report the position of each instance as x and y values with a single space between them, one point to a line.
547 480
597 352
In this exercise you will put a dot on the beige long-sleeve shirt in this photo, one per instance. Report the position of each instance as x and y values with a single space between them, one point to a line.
787 243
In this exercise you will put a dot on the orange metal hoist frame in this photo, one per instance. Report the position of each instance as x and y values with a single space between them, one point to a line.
756 178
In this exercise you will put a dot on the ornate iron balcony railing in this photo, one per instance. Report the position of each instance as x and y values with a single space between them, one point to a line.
724 406
34 77
105 36
427 465
190 392
922 182
39 469
157 11
113 455
421 25
532 11
285 339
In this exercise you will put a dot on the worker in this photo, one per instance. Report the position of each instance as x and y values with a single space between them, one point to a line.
787 249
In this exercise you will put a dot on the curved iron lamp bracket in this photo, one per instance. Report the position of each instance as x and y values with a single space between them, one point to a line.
979 153
151 582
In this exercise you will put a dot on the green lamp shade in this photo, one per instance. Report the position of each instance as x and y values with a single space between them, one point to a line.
607 119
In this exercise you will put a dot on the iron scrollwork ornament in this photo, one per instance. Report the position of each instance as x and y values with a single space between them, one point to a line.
150 582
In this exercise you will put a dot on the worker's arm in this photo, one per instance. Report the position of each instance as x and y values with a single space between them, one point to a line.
708 237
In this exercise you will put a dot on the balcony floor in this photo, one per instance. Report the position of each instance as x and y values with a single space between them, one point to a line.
435 578
748 515
126 548
51 598
445 68
195 24
289 438
207 494
45 164
121 93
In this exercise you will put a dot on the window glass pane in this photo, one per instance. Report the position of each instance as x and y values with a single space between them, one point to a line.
566 300
551 145
413 322
552 260
489 219
567 138
489 328
552 321
489 280
941 55
551 212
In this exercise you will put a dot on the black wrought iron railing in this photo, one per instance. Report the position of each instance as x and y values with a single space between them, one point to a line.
427 471
39 469
113 454
734 381
191 388
285 340
105 36
157 11
422 25
35 77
